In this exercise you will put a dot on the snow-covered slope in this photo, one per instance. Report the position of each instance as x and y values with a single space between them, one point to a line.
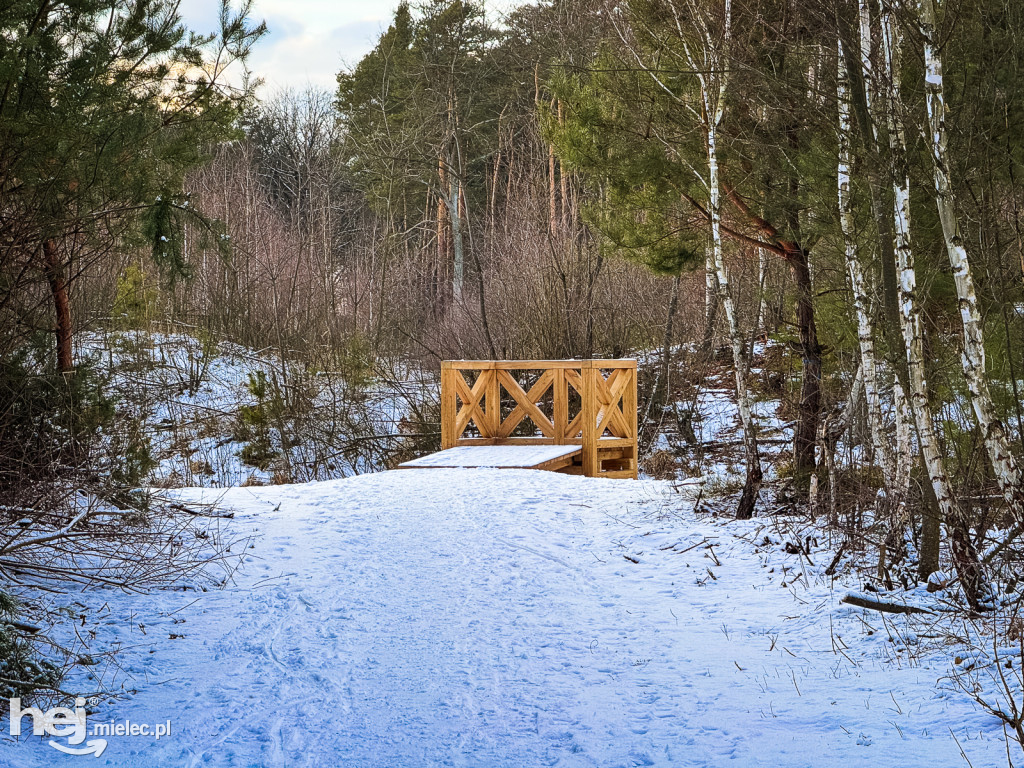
513 618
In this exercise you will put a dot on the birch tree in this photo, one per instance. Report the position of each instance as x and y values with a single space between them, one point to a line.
964 556
711 64
973 359
865 322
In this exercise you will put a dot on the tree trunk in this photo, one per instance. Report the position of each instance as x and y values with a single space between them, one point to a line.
745 508
862 82
714 105
710 302
458 255
762 279
973 360
61 305
865 323
810 385
914 337
806 431
443 220
552 196
664 386
866 101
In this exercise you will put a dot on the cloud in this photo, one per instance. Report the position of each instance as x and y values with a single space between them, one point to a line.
309 41
295 56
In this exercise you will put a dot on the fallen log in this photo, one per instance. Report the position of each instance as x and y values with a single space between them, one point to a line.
863 601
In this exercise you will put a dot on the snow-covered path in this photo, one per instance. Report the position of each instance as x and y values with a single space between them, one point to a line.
513 618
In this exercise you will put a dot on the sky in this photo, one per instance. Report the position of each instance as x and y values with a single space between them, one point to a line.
309 41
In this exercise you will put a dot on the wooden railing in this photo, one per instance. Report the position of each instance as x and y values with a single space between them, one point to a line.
590 403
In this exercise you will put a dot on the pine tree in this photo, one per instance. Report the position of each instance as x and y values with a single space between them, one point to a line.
105 105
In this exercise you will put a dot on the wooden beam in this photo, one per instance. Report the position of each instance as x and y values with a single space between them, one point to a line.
492 405
448 406
560 408
629 410
590 462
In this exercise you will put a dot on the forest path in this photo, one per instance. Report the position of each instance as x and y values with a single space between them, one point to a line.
515 618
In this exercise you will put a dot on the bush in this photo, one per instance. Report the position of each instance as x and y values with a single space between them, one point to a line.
58 433
22 670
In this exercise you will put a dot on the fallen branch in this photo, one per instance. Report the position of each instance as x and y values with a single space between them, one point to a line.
194 513
716 444
29 628
835 560
862 601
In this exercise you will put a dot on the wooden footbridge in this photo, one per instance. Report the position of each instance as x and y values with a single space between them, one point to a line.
572 416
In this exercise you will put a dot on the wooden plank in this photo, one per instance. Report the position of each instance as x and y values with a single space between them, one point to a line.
498 457
560 463
525 365
614 441
604 454
621 474
527 441
515 365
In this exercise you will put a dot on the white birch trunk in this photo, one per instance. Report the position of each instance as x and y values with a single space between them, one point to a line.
904 439
714 106
458 256
865 324
762 279
864 19
910 311
973 359
710 291
725 299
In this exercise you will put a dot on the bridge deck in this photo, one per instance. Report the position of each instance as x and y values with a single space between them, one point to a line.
551 457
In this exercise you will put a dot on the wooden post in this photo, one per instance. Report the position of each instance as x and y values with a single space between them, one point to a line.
448 405
492 403
588 372
629 411
560 412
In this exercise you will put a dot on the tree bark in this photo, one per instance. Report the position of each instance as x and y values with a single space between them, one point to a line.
710 302
664 386
61 305
810 384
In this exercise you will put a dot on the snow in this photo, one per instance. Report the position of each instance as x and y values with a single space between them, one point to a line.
476 617
190 394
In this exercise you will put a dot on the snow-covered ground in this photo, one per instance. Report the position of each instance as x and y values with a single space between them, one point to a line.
512 618
205 404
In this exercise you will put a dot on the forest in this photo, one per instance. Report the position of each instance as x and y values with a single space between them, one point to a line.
813 204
